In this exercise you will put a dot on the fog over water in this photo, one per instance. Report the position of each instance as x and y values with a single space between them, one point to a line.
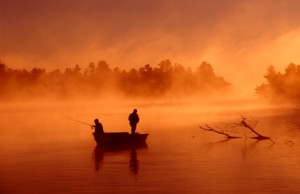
43 150
230 67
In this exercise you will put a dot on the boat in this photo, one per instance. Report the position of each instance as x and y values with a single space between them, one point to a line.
120 139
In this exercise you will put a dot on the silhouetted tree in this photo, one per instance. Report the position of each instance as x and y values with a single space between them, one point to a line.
281 86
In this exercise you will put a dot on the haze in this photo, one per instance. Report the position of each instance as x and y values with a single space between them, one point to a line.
226 66
234 36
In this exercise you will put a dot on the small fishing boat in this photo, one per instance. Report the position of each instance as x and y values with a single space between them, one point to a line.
120 139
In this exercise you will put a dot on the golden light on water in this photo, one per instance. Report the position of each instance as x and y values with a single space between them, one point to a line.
182 64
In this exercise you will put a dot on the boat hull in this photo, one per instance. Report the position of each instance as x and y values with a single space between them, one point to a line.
120 139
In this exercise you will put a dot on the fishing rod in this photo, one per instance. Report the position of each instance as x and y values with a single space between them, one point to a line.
142 129
80 122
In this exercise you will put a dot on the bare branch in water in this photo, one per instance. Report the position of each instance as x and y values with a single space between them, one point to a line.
247 125
208 128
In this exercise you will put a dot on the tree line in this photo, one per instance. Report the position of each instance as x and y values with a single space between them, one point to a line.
281 86
98 79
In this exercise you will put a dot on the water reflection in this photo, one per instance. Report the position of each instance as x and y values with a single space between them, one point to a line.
60 159
99 155
220 143
248 147
133 162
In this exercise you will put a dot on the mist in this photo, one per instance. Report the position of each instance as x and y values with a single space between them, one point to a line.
239 36
181 64
217 52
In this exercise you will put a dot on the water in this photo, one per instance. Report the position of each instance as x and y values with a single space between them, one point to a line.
43 152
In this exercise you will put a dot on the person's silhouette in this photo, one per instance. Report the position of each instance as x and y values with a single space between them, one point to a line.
133 120
98 127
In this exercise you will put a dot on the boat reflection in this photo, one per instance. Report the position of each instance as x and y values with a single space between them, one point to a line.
99 154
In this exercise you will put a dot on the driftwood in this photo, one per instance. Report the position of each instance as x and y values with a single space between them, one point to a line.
208 128
244 123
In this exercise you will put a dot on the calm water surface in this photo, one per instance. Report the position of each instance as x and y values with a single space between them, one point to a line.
44 152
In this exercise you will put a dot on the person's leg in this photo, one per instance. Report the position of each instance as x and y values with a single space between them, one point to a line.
131 125
133 128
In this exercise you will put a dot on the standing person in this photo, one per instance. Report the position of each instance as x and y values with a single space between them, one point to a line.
98 127
133 120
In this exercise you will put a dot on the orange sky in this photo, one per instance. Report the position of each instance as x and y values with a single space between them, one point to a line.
240 38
